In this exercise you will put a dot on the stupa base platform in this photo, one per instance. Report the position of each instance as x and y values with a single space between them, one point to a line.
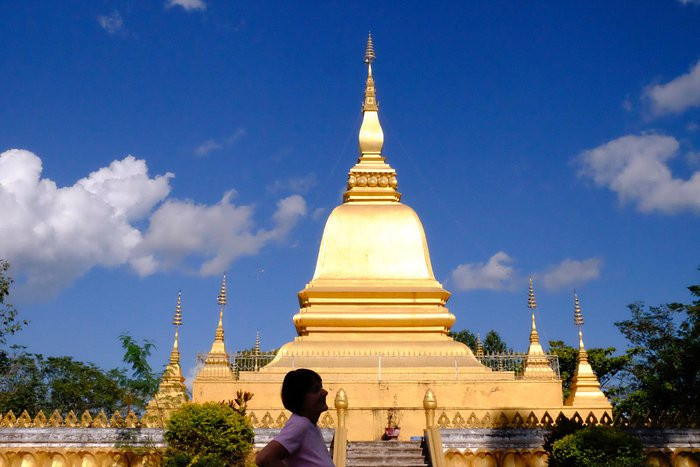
476 398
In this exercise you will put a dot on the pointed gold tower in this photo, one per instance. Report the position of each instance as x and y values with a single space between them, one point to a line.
172 392
373 319
585 388
536 362
217 368
373 291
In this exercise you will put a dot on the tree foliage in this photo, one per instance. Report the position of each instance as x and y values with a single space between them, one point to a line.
8 314
665 368
32 382
597 445
207 434
492 343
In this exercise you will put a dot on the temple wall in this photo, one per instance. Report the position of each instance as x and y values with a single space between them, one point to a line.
88 447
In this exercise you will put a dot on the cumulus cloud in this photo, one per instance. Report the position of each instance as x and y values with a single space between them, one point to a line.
214 235
52 235
495 274
187 4
634 166
677 95
215 144
499 273
112 23
570 272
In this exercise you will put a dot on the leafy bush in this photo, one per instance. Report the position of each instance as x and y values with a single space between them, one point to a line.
206 435
599 446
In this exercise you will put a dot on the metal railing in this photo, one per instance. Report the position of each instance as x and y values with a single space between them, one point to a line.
507 362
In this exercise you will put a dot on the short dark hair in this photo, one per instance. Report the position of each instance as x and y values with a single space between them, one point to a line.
295 386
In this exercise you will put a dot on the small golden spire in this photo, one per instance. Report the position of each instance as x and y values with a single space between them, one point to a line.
256 349
479 347
221 300
370 104
369 51
578 321
585 387
177 322
531 303
177 319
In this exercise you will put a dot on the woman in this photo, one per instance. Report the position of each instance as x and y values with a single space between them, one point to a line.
300 442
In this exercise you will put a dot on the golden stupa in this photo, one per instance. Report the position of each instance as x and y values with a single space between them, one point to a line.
373 321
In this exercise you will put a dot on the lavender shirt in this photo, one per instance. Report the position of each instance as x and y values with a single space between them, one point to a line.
304 442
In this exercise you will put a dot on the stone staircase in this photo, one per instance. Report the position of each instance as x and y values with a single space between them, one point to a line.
385 453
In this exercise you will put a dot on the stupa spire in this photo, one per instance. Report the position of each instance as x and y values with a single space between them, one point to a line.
177 322
216 364
532 305
585 387
171 391
536 362
256 349
479 347
371 179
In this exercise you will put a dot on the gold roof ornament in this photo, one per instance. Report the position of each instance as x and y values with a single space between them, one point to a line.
371 179
171 391
536 362
256 348
216 365
585 387
177 322
479 347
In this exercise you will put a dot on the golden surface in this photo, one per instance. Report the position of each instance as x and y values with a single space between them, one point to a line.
373 321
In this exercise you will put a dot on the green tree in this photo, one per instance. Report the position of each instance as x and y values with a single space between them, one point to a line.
597 445
22 386
8 314
466 337
143 383
207 434
664 368
493 343
604 362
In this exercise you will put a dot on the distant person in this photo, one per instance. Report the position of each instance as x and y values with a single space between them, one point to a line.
300 443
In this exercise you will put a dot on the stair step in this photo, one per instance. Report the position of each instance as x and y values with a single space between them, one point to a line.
385 453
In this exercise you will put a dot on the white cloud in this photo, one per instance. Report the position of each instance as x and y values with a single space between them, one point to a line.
499 273
570 272
52 235
495 274
112 23
187 4
677 95
214 235
689 2
215 144
635 168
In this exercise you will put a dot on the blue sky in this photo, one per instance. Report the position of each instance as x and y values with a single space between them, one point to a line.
146 147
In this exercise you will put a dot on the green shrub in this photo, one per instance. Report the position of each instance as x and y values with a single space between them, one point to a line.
597 446
206 435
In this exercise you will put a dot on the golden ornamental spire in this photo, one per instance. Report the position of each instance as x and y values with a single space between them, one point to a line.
371 179
585 387
536 363
177 322
256 349
479 347
532 304
216 365
578 321
369 51
171 390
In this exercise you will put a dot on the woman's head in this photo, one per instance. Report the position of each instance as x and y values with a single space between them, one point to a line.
302 391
